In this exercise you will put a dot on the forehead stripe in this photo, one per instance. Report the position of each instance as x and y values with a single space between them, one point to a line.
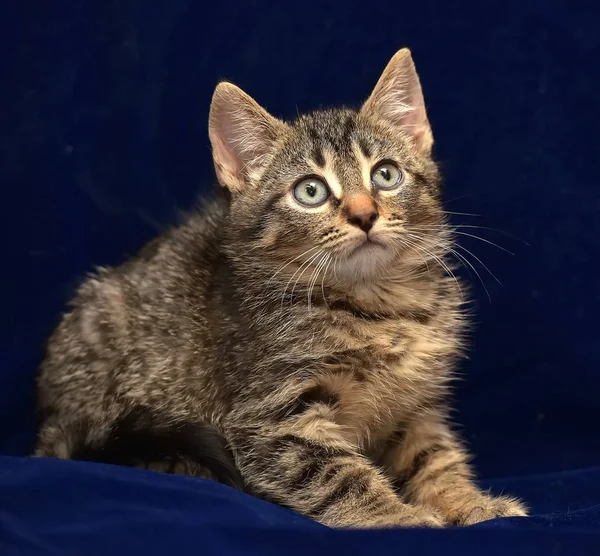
318 157
328 174
332 181
365 167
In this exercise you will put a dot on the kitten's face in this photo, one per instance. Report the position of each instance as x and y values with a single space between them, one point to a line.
344 191
350 194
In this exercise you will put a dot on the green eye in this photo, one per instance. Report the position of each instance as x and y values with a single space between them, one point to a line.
311 192
386 176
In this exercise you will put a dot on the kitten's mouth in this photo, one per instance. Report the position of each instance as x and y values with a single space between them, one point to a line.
367 245
362 247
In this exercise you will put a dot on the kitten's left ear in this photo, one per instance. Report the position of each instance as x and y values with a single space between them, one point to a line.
242 135
398 100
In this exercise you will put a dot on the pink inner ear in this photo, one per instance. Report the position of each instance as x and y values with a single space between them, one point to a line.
423 138
404 104
398 99
241 132
234 130
226 164
407 112
228 143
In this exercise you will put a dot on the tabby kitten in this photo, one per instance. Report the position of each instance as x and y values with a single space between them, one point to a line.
296 336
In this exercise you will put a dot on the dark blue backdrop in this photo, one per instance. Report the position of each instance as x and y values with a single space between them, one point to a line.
103 109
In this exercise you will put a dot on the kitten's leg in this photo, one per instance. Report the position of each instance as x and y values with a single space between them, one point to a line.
311 469
180 465
67 438
432 470
143 438
90 440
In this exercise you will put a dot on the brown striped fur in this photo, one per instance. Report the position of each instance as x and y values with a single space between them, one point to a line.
324 361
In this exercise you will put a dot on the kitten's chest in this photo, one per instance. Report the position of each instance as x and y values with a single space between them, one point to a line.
383 382
375 369
368 408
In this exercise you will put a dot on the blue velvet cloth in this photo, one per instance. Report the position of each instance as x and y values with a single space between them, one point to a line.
103 138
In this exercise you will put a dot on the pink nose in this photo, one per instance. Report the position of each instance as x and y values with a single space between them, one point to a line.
361 211
364 220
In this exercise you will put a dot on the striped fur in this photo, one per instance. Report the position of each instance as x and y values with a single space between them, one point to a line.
323 362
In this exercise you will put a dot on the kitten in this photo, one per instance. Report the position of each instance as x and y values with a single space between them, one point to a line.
308 317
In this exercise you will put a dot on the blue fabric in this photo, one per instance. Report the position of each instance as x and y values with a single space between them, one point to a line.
58 507
103 137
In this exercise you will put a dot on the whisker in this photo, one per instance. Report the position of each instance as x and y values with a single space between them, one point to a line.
452 227
290 262
339 267
411 274
485 241
461 213
512 236
319 254
480 262
315 276
475 237
443 265
456 199
461 257
331 259
308 261
465 260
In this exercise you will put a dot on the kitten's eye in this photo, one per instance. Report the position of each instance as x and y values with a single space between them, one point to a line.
386 176
311 192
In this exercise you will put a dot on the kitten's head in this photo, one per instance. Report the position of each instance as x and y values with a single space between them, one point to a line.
353 191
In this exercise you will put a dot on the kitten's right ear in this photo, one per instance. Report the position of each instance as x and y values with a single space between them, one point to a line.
398 100
242 135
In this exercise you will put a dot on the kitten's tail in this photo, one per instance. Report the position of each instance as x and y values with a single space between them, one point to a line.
141 438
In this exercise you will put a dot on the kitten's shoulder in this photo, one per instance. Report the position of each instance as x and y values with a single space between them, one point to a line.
197 235
182 253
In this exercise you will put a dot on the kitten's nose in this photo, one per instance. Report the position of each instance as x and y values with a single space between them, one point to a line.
361 212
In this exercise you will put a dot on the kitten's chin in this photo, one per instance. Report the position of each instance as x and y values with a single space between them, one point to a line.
367 261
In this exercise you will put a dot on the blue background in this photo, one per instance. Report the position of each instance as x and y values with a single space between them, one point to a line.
103 139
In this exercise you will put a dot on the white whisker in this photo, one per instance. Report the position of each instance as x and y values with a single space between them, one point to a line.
307 262
474 237
331 259
310 262
449 248
289 263
439 260
315 276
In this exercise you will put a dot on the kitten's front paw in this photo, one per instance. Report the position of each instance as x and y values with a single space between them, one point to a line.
408 516
419 517
486 507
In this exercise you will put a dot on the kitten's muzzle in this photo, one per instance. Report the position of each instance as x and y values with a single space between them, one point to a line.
361 211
